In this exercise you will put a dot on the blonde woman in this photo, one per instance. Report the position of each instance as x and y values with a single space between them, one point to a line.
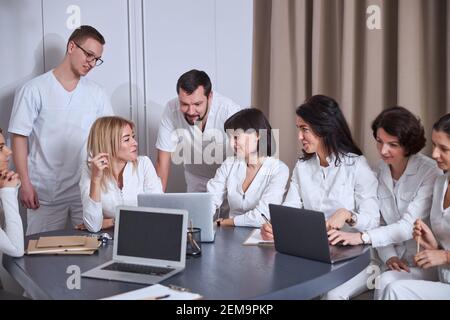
11 237
114 174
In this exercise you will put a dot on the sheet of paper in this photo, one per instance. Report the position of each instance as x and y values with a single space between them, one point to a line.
155 292
255 239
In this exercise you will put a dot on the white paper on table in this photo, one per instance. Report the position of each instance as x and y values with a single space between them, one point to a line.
155 291
255 239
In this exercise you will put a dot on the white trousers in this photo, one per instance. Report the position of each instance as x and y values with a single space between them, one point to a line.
357 285
417 290
388 277
54 217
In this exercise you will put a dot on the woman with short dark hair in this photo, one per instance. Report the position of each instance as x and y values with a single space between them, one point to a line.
405 184
252 178
406 180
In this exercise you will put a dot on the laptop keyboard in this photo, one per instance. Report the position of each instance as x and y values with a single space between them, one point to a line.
136 268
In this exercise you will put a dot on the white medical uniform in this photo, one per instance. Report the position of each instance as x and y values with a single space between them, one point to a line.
11 238
439 287
189 145
57 123
351 185
268 186
401 205
139 179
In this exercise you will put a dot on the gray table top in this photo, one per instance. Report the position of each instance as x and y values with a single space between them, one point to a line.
225 270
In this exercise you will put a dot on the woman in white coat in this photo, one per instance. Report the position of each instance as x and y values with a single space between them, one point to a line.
114 174
332 176
252 178
11 237
435 240
405 185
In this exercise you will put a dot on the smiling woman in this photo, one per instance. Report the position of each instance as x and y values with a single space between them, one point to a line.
114 173
332 176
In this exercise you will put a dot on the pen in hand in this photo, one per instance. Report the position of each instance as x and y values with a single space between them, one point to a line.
265 219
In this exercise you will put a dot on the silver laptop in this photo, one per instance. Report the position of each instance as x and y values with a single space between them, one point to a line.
199 206
149 246
303 233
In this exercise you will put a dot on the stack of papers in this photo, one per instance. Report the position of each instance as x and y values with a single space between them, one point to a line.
156 292
255 239
63 245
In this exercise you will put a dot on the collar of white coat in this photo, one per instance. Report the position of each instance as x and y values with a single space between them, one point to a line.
345 159
126 176
412 168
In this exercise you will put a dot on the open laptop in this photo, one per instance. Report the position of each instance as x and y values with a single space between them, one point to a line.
303 233
199 206
149 246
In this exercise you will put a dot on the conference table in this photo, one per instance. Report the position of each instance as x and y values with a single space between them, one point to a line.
226 270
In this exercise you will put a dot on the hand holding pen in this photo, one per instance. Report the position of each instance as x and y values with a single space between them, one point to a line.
266 229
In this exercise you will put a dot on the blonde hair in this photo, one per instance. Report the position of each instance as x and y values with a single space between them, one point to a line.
105 137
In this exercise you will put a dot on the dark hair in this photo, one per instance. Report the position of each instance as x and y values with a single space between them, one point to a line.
80 34
1 131
327 121
192 79
252 119
401 123
443 124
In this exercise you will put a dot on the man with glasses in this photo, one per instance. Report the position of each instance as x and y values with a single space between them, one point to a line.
50 123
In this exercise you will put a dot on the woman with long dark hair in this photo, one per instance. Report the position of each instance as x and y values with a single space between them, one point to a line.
332 176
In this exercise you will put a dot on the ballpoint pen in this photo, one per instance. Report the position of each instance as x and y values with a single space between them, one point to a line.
265 218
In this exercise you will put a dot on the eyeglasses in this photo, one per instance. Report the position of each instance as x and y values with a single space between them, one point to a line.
89 56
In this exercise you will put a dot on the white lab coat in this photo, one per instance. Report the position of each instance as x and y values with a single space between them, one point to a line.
11 238
403 204
139 179
57 123
246 208
177 136
351 185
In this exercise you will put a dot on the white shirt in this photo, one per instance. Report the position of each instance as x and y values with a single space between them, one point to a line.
136 180
351 185
57 123
440 222
401 205
268 186
11 239
176 134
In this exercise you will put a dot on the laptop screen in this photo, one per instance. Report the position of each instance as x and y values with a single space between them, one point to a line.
150 235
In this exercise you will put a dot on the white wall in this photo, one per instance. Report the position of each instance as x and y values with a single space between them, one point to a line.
214 36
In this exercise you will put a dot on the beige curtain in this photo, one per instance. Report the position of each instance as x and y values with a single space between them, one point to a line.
306 47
